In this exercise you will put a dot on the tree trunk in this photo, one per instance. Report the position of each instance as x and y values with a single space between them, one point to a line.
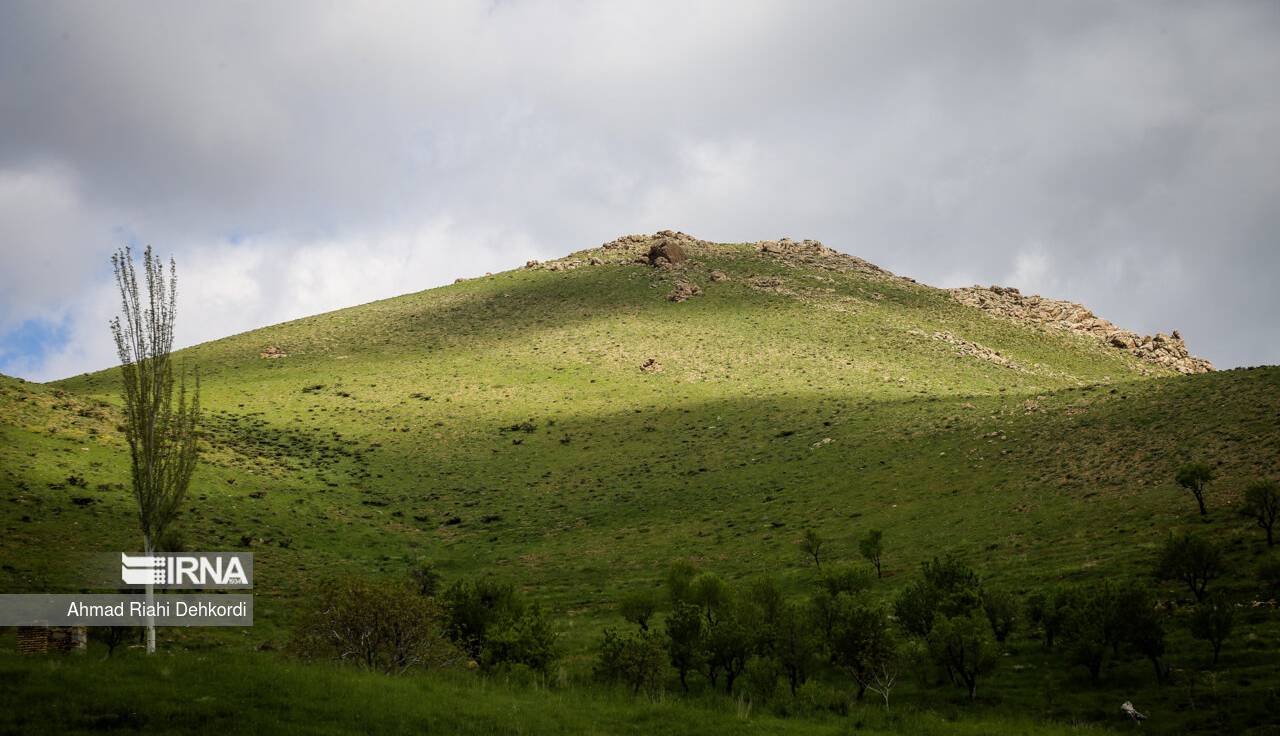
1200 500
149 550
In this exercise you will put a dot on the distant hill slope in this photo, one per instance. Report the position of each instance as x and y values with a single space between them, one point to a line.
576 424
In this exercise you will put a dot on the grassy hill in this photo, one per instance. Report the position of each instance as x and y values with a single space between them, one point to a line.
569 427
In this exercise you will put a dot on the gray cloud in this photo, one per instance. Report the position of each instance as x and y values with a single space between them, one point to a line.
298 157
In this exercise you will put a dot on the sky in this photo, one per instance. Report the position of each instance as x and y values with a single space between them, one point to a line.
297 157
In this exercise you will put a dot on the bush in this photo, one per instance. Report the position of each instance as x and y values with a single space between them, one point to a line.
529 640
476 609
426 579
872 547
635 661
1191 560
380 627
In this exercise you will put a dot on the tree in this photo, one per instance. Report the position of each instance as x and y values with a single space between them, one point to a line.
947 586
476 610
638 607
380 627
1262 504
796 643
530 640
679 577
811 544
686 634
1192 560
709 593
1140 624
1087 629
1195 477
964 646
728 645
1048 610
161 432
635 661
1001 609
1212 622
861 641
871 547
426 579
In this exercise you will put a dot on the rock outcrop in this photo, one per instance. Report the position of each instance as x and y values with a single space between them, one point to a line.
1008 303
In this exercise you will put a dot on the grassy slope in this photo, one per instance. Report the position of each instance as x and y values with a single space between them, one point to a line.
1060 471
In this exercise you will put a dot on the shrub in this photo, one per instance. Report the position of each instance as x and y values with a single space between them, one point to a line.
1212 621
426 579
380 627
1262 504
529 640
635 661
844 579
1195 477
1191 560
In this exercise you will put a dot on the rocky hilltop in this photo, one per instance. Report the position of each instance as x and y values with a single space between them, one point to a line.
670 249
1008 303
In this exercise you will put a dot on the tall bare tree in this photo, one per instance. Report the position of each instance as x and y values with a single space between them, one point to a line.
161 430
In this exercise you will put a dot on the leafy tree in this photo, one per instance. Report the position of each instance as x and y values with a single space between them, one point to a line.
965 647
636 661
1140 624
1212 621
837 579
1088 629
709 593
728 645
871 547
796 643
476 610
686 635
947 586
1191 560
638 607
861 639
530 640
1048 610
380 627
811 544
161 431
1262 504
1269 573
1195 477
679 577
1001 609
426 579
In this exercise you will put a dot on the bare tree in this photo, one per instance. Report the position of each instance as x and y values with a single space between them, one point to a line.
161 431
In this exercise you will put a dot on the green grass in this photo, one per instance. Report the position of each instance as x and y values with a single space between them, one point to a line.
388 420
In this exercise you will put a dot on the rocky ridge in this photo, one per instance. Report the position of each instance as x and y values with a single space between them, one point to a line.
1008 303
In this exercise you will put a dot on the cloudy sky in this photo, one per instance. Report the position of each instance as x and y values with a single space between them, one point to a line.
299 157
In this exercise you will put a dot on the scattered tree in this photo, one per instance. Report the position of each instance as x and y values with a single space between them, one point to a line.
1212 622
861 640
426 579
161 432
871 547
796 643
1192 560
1195 477
964 646
636 661
1001 609
686 635
811 544
380 627
1262 504
478 609
638 607
530 641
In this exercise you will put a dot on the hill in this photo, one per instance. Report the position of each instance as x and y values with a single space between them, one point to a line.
576 425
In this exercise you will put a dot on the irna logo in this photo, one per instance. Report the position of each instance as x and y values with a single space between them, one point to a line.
200 570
